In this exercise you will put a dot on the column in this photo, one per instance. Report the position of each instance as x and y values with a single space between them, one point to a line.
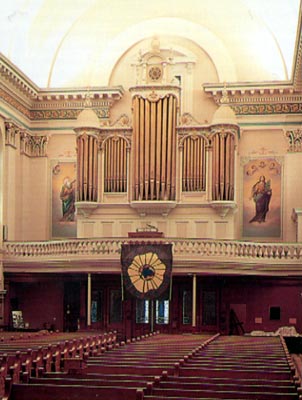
194 303
89 301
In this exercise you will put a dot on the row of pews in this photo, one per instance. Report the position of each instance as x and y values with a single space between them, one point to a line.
123 372
159 366
232 368
23 356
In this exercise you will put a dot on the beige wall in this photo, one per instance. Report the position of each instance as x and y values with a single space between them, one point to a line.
27 180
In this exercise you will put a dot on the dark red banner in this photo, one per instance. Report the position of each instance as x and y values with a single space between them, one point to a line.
146 269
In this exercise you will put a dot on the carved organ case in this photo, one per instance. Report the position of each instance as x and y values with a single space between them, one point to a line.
155 106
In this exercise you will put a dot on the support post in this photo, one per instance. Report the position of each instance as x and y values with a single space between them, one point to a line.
194 303
152 315
89 301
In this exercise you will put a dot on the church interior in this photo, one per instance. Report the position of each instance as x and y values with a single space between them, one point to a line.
150 200
168 124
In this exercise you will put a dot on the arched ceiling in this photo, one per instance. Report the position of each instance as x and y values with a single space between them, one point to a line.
65 43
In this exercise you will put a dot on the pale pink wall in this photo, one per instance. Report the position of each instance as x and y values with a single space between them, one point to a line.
41 303
258 297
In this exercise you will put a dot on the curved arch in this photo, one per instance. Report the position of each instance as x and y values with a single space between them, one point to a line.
201 134
120 136
200 35
106 57
115 171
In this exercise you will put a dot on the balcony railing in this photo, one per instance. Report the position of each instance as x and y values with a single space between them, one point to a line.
188 249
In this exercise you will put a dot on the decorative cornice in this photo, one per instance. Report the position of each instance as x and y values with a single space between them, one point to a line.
264 99
99 96
12 75
30 145
54 114
154 92
68 105
15 103
297 70
42 104
56 110
265 90
267 109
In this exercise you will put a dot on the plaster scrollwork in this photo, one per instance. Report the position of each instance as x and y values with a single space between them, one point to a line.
115 136
193 134
274 164
11 131
120 128
85 209
103 113
186 119
39 144
294 137
189 126
223 208
225 129
33 146
122 122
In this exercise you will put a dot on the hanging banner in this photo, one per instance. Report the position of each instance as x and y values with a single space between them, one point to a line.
146 270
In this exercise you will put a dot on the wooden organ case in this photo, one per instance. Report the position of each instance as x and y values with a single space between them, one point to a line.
155 101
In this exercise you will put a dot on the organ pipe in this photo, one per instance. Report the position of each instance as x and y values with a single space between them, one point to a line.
87 166
115 171
223 166
193 166
154 146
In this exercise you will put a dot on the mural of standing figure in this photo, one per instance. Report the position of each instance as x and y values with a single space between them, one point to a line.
67 195
261 194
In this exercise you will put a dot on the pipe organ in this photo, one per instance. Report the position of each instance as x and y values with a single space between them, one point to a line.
154 147
115 165
87 165
223 143
152 158
194 164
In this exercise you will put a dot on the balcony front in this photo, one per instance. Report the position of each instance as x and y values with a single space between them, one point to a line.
190 256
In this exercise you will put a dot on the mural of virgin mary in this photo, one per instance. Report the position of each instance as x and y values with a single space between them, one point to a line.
261 194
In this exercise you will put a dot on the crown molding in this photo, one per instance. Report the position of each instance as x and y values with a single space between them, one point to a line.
276 97
297 66
35 103
16 79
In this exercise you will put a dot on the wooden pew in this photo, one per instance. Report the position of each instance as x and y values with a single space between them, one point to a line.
73 392
87 380
181 394
19 363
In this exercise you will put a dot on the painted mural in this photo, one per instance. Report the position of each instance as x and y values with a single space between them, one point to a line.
63 199
262 198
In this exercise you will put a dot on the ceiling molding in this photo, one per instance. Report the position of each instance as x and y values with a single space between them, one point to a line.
34 103
297 70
